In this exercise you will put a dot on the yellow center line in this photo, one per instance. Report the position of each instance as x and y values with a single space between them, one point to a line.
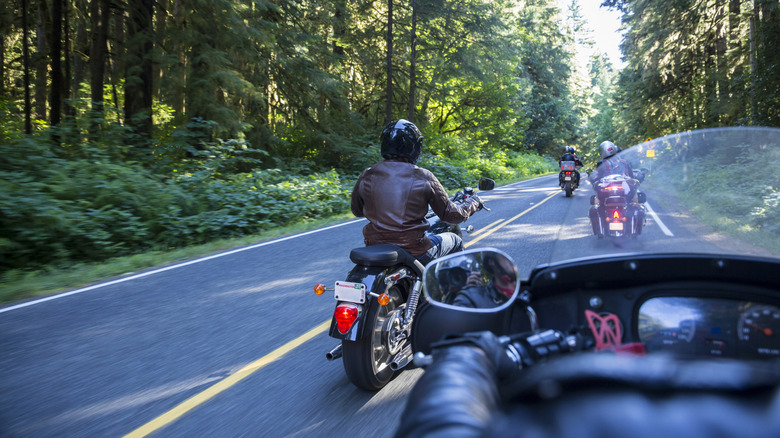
502 225
215 389
482 230
200 398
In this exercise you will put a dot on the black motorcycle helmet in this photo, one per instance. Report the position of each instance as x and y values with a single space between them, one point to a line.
401 138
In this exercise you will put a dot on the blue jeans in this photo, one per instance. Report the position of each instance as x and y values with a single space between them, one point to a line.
443 244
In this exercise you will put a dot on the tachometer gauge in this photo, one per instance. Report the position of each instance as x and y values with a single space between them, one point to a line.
759 330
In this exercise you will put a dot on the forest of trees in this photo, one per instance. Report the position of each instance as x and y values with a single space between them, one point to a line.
697 64
130 125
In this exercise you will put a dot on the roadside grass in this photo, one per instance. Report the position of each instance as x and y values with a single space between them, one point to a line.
735 232
19 285
735 227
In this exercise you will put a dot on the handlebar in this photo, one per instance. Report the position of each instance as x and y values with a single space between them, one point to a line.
527 349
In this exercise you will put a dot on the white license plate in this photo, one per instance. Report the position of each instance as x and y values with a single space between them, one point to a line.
616 226
568 178
352 292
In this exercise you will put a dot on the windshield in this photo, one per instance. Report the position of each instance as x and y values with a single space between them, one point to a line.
707 191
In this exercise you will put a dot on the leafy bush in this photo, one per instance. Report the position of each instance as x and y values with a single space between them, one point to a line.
80 202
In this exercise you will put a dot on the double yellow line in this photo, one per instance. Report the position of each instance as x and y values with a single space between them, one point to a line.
208 393
497 225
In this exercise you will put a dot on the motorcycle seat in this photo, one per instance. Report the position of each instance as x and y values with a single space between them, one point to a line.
383 255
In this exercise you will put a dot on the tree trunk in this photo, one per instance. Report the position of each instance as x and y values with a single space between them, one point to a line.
97 55
138 66
66 88
81 47
412 63
389 107
721 64
26 62
339 27
2 67
115 60
179 71
41 62
753 69
55 111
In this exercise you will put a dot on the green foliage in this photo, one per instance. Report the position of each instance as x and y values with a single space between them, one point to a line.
263 114
750 206
58 208
697 64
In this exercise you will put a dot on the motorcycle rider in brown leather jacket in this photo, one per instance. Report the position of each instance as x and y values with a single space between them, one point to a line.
394 196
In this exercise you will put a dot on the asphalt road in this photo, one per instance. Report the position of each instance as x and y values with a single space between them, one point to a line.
234 345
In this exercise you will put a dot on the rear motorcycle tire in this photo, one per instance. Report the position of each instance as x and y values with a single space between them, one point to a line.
367 360
567 188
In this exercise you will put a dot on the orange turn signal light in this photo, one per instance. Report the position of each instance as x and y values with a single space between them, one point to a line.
319 289
383 299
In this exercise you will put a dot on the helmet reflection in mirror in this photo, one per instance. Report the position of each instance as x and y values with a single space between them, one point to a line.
453 274
401 138
474 279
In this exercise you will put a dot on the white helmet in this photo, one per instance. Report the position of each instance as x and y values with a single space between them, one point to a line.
607 149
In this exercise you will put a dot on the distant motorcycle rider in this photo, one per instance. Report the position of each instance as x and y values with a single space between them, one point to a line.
610 163
394 196
571 155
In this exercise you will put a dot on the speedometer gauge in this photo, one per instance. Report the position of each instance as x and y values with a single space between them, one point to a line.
759 330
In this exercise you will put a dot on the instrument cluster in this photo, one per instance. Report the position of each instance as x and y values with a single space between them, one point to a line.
713 327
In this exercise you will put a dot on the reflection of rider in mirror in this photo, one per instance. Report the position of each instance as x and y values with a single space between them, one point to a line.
501 284
456 273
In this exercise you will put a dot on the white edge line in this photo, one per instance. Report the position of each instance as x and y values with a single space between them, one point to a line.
658 220
168 268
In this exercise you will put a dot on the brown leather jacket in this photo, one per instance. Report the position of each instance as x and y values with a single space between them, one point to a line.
394 197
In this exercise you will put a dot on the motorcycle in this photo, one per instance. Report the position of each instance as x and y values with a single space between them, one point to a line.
568 177
617 209
602 344
376 305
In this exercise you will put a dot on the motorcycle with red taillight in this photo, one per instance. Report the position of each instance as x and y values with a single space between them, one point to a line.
568 177
617 209
376 305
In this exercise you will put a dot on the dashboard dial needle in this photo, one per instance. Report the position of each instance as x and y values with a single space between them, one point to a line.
765 331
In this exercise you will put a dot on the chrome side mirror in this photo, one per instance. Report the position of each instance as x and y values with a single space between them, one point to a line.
478 280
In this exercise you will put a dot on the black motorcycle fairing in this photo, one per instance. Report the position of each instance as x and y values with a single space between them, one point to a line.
594 395
617 287
625 270
658 373
432 323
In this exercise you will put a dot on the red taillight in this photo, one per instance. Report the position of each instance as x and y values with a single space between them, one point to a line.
345 315
568 173
616 214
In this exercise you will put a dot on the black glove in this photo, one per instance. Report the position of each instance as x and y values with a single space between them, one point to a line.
494 349
474 199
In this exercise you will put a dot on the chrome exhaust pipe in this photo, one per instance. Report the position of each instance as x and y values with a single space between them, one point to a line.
335 353
402 359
